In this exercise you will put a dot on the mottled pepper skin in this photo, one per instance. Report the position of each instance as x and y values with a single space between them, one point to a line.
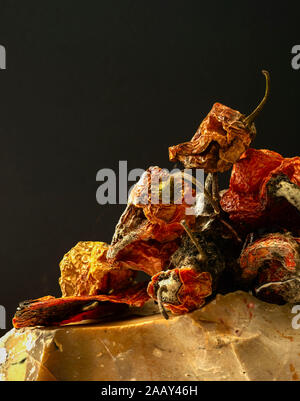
218 143
195 287
272 263
85 271
148 231
273 247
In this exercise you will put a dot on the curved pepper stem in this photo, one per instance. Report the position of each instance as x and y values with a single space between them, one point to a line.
160 301
201 252
249 120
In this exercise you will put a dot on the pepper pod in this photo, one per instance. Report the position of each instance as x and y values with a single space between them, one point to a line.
264 191
202 265
51 311
271 267
149 229
91 289
180 290
85 271
221 138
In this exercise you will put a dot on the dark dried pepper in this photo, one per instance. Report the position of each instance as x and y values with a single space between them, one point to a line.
199 264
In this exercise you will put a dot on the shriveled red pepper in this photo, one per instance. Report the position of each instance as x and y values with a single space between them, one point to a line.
51 311
180 290
220 140
264 188
164 198
147 256
273 264
148 230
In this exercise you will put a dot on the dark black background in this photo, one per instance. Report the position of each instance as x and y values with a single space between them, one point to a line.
90 83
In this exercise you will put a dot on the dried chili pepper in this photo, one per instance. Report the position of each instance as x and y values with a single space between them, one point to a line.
85 271
148 230
200 263
51 311
272 263
221 138
91 287
164 198
180 290
264 189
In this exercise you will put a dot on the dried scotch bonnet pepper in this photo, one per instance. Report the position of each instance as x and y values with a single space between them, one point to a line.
148 231
272 264
85 271
221 138
264 190
180 290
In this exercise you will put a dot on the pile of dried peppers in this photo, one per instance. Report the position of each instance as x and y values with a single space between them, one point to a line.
246 237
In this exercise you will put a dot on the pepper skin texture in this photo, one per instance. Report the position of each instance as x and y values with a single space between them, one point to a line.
218 143
85 271
248 199
51 311
148 231
194 287
273 264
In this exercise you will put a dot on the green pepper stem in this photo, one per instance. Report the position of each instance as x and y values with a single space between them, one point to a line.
249 120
